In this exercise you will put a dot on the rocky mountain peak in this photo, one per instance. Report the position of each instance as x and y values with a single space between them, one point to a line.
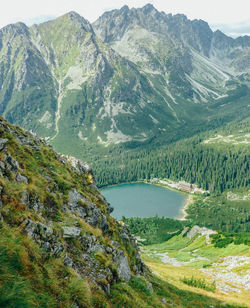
16 29
220 35
114 25
243 41
221 41
125 8
203 25
148 8
73 15
75 19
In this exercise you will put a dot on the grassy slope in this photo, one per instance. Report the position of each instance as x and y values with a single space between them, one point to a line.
27 280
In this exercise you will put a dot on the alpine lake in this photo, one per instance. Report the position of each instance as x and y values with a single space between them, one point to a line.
143 200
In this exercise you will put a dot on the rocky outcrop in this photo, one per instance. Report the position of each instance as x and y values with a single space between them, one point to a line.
200 231
2 143
228 280
123 266
71 232
80 166
10 165
21 179
56 203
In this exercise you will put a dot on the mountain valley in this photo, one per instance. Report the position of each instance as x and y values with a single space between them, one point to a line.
60 246
136 96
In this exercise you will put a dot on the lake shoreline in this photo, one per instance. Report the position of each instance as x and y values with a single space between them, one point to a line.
183 211
123 183
188 200
182 206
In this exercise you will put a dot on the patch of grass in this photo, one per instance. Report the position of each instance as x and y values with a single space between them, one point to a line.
199 283
242 270
139 284
176 243
29 280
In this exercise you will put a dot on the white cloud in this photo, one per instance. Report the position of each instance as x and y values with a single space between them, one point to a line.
39 19
234 29
214 11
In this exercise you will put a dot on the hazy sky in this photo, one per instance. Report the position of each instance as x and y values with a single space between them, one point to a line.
229 16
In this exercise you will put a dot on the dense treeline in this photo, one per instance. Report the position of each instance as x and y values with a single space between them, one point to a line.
214 169
222 240
154 230
218 213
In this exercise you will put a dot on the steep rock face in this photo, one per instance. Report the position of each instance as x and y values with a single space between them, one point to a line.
236 52
197 62
152 40
112 26
102 97
94 92
57 205
24 77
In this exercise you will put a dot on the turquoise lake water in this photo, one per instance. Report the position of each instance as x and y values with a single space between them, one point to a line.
143 200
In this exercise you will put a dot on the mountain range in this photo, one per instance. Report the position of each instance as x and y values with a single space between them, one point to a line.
134 76
139 94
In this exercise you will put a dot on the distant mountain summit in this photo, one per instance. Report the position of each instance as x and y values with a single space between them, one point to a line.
133 76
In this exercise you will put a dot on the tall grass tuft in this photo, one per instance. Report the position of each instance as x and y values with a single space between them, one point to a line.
199 283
